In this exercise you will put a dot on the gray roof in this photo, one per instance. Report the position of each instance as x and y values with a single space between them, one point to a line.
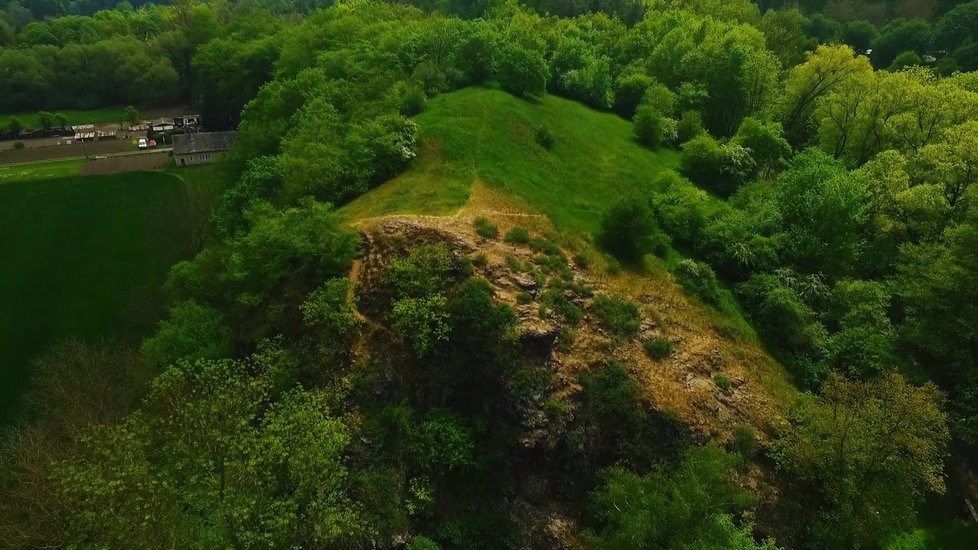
202 142
162 122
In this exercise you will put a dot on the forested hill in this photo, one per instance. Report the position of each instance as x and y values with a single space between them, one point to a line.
661 274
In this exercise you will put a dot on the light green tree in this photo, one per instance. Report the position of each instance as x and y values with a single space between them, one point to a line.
873 449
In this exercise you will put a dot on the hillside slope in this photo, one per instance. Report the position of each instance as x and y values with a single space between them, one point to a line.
478 134
479 158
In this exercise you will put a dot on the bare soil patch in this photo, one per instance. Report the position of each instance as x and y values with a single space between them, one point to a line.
126 163
65 151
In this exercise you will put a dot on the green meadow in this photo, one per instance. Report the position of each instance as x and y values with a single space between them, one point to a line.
84 257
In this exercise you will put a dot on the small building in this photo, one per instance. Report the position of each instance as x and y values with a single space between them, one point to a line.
201 147
161 125
187 121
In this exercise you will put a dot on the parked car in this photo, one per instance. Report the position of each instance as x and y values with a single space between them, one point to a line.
143 144
152 144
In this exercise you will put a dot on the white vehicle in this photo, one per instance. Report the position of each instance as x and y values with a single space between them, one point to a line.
143 144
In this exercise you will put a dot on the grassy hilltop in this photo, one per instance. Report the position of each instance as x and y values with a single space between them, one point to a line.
490 136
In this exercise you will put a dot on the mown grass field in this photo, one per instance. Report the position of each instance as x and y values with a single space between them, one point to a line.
85 257
478 134
40 170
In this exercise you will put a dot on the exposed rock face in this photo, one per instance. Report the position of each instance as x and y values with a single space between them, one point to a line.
555 350
682 384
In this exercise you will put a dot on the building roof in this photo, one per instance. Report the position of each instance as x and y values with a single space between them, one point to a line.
202 142
162 122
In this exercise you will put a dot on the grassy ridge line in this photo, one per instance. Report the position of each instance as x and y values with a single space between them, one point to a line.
488 135
85 257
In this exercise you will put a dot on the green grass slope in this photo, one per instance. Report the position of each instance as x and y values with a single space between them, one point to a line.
489 136
83 256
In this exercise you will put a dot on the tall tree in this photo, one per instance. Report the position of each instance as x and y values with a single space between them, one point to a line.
825 70
872 450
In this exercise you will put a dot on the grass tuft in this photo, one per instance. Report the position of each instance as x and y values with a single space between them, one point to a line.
517 235
658 348
485 229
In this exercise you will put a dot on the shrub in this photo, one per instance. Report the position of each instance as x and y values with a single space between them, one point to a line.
18 145
701 160
768 147
413 100
515 264
629 91
521 71
782 314
191 331
545 246
517 235
555 409
628 230
647 126
698 280
486 229
582 261
15 126
524 298
689 126
330 318
421 543
554 265
611 395
681 210
723 381
531 381
744 441
544 137
554 298
906 59
660 98
479 260
658 348
617 315
426 270
670 131
719 168
565 340
443 442
423 322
